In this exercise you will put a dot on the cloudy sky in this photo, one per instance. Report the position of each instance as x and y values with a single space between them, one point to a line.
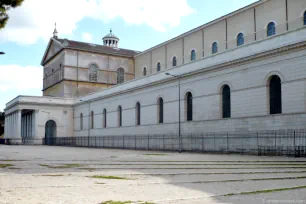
140 24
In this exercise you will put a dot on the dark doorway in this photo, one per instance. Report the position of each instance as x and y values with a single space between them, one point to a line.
50 132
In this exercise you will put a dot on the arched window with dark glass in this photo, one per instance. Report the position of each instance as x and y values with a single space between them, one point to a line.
189 106
271 29
93 72
305 18
81 121
174 61
120 75
240 39
275 92
119 116
193 55
158 67
104 118
137 113
226 102
92 119
160 110
144 71
214 48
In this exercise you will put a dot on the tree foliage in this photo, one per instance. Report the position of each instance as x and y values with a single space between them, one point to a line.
5 5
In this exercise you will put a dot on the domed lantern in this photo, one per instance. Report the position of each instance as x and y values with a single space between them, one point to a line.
110 40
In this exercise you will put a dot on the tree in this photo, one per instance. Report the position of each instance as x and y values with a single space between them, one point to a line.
5 5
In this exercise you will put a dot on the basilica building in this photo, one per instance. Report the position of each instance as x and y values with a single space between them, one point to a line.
245 71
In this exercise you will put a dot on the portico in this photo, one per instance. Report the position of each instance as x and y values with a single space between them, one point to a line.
27 116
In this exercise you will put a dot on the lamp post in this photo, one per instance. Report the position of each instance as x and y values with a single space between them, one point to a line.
179 106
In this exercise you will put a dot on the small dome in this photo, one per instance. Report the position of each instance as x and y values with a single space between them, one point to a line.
110 40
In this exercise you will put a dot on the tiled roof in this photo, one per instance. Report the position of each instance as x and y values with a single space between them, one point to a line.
97 48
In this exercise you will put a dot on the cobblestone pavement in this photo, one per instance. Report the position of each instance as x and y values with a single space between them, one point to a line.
43 174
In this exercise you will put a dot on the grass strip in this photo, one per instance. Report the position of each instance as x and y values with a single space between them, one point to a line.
64 166
162 168
108 177
137 164
155 154
264 191
5 165
125 202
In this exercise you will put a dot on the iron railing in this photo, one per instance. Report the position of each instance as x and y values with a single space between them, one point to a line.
275 142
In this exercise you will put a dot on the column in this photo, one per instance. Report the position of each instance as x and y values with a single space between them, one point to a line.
27 124
8 126
13 125
22 126
33 124
18 124
5 126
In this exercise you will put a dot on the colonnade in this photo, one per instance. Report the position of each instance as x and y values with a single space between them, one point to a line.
20 125
12 125
27 125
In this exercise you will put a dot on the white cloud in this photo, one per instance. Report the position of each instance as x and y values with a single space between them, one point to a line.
35 19
18 78
87 37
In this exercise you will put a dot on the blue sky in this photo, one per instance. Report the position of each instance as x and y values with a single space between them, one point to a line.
140 24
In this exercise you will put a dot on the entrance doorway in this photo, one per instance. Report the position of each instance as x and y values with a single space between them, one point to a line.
50 132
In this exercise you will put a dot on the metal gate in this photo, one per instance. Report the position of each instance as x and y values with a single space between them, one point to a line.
50 132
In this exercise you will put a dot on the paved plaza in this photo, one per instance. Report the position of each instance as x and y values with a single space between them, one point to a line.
44 174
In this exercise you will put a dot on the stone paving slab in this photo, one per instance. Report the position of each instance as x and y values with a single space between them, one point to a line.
30 182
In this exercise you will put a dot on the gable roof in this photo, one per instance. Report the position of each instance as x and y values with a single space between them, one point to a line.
89 47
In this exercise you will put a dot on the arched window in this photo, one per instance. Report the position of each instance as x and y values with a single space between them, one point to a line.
104 118
137 113
81 121
189 106
119 116
226 102
160 110
120 75
240 39
174 61
214 48
158 67
193 55
305 18
93 71
144 71
275 92
92 120
271 29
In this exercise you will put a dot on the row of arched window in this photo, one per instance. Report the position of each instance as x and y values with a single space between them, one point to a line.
275 101
93 74
271 30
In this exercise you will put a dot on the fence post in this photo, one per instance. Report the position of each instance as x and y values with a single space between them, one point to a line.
202 142
275 143
227 142
294 143
242 145
214 142
123 141
148 142
258 152
163 142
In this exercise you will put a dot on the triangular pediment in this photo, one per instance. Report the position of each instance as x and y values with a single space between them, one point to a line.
53 48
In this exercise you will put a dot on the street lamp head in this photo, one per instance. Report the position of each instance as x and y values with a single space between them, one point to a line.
2 53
